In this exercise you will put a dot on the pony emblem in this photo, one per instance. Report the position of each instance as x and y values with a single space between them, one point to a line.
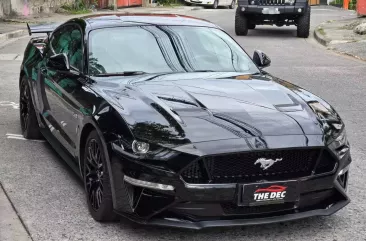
266 163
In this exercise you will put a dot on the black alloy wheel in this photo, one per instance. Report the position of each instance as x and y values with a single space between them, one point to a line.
94 174
24 105
97 181
28 118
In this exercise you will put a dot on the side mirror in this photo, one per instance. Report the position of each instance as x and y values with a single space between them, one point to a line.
59 62
261 59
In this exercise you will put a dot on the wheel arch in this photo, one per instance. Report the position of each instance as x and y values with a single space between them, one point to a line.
109 127
83 136
87 128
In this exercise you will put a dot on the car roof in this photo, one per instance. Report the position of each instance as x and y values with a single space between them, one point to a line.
133 19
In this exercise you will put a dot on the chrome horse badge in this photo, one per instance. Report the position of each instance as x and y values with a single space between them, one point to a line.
266 163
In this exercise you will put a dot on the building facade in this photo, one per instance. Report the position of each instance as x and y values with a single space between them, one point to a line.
29 7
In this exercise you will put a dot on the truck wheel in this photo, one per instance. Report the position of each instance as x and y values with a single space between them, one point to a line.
232 5
241 23
303 24
251 26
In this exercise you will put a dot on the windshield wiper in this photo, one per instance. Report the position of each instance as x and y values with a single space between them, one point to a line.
256 73
202 71
125 73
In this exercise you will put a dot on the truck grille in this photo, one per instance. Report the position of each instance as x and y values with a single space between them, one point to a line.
271 2
240 167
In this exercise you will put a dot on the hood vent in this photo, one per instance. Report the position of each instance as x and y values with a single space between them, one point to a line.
177 102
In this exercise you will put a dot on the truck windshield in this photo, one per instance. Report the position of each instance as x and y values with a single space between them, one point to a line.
161 49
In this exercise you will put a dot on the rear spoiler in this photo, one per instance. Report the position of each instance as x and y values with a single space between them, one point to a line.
43 28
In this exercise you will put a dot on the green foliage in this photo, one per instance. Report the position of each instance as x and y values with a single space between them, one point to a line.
80 6
352 5
321 31
336 2
171 3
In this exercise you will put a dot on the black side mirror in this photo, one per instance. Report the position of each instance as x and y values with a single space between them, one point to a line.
261 59
59 62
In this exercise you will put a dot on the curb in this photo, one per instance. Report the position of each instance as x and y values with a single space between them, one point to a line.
19 21
13 34
320 37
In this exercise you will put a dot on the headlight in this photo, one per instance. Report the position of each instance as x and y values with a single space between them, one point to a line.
291 2
341 139
340 145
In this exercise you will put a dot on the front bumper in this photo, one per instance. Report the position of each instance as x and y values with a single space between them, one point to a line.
279 10
247 222
200 2
175 203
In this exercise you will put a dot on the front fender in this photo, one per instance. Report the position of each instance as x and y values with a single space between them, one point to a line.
110 127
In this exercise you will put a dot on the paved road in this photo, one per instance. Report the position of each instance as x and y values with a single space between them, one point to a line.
50 199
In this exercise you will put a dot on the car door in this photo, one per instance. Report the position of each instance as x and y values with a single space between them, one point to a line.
64 89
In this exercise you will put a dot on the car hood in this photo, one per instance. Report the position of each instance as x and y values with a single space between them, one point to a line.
198 107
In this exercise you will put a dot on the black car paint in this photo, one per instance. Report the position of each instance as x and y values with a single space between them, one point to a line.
183 116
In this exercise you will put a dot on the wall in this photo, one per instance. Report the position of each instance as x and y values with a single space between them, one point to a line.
5 7
30 7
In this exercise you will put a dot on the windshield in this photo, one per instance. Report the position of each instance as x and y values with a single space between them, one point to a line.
161 49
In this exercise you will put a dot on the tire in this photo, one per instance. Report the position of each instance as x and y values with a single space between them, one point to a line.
241 24
232 5
28 119
251 26
215 4
96 180
303 24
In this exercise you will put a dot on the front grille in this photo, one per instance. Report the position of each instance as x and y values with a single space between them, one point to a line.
233 209
240 167
271 2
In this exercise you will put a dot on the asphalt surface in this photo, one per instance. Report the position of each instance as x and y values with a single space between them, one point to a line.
50 199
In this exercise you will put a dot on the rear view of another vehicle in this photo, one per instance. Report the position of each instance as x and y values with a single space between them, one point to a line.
251 13
213 3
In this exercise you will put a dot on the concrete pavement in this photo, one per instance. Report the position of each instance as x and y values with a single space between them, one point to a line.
339 35
51 201
11 227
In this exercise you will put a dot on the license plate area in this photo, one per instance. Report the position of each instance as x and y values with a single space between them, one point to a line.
256 194
270 10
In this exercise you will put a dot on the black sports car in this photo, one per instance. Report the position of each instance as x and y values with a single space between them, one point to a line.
169 122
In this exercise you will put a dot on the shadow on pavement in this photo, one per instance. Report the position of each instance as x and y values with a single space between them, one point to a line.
272 33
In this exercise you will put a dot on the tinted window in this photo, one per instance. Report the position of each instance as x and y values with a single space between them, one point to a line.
68 40
157 49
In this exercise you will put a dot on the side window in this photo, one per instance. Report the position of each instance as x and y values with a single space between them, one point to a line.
68 40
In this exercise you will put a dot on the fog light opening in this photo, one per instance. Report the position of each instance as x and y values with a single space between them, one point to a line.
343 178
140 147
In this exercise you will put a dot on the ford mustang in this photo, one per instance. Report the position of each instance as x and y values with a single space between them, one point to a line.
168 121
